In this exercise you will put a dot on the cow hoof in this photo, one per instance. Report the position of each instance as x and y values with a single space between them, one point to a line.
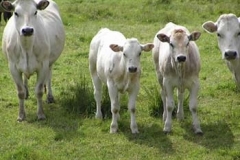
198 132
135 131
21 117
113 129
50 99
41 117
166 130
98 116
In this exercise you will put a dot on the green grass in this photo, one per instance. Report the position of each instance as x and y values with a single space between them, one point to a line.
71 131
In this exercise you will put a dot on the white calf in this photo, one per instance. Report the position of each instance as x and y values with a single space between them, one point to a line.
33 39
115 60
227 28
177 64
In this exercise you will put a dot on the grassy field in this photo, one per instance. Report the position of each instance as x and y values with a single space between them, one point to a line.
71 132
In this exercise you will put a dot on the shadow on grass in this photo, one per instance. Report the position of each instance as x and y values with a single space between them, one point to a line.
74 105
150 135
216 135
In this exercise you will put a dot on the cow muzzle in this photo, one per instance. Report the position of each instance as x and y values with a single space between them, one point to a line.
230 55
132 69
27 31
181 58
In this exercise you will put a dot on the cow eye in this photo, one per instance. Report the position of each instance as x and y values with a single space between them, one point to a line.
218 34
238 34
35 13
16 14
124 55
171 45
140 53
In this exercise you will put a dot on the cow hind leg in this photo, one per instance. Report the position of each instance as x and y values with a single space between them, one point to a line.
50 97
97 94
180 113
25 82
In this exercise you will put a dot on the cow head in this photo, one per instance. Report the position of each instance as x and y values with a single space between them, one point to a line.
227 28
25 14
179 43
131 51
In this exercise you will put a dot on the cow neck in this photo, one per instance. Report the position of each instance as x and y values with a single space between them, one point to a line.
180 72
26 43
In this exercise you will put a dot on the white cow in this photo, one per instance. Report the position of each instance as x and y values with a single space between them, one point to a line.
33 39
115 60
177 63
227 28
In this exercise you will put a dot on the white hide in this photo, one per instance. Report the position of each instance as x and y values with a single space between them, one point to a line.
33 39
177 62
115 61
227 28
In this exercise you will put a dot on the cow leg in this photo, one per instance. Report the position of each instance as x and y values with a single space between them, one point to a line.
169 106
50 98
132 108
237 79
25 82
193 108
180 113
41 79
97 84
163 96
115 106
17 77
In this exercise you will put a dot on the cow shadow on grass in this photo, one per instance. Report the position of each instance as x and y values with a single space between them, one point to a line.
216 135
150 135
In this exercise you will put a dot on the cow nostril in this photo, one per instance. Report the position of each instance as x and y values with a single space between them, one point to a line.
181 58
27 31
132 69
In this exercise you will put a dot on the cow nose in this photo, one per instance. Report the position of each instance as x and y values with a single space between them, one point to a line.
230 55
181 58
27 31
132 69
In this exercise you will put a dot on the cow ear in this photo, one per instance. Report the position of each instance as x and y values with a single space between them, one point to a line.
147 47
7 6
42 4
116 48
163 37
209 26
194 36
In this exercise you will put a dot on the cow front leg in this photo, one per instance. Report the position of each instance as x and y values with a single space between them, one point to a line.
17 77
41 80
115 107
169 108
132 109
193 108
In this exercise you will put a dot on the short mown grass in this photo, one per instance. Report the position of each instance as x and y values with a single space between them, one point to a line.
71 130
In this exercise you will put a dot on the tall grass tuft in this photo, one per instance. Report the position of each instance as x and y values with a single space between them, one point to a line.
155 104
77 98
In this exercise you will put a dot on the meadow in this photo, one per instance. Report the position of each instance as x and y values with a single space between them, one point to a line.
71 131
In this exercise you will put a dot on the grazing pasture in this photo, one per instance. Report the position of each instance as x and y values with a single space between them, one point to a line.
71 131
